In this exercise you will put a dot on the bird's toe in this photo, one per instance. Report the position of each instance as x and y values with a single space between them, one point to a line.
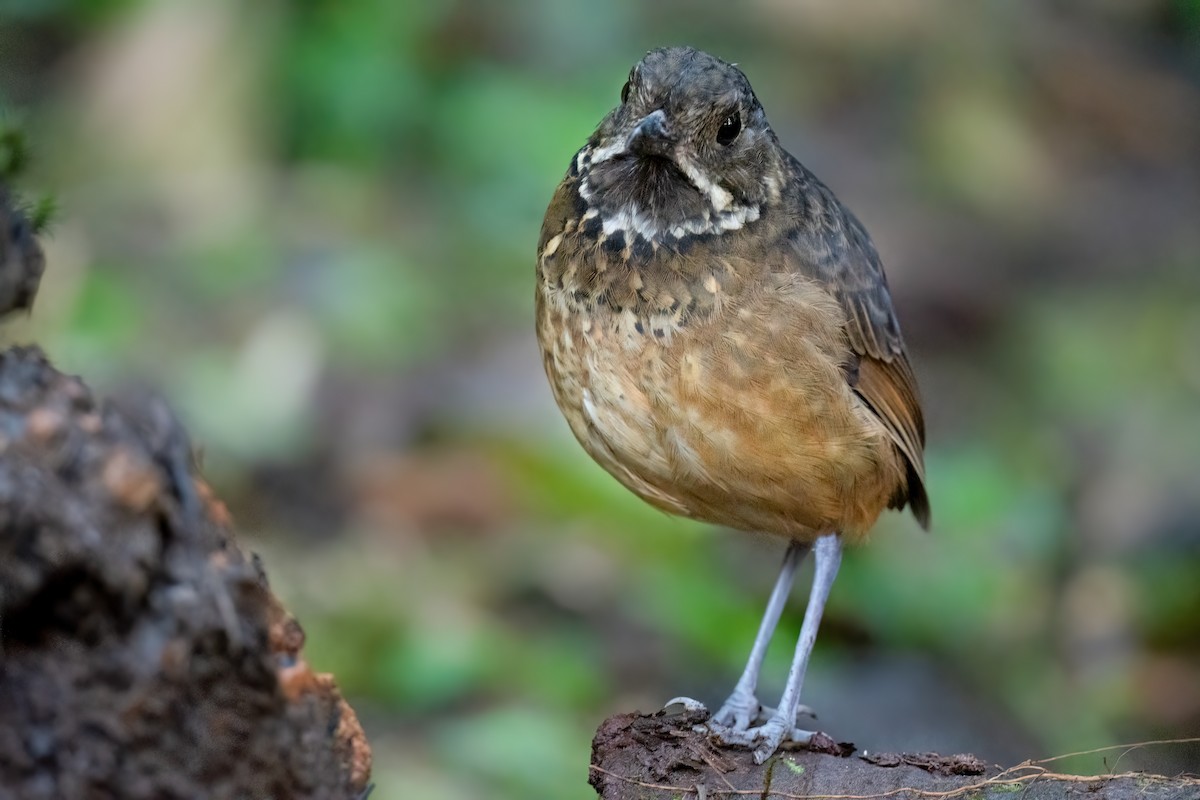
739 711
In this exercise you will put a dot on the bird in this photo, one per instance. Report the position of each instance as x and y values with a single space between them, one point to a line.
718 332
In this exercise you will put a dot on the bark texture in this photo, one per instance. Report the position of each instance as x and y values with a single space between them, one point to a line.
142 653
637 757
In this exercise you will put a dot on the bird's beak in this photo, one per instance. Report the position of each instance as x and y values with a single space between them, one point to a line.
651 136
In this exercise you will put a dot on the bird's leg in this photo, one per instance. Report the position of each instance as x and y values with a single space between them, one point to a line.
782 723
828 555
742 707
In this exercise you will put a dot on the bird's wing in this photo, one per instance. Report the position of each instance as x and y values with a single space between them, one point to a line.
844 260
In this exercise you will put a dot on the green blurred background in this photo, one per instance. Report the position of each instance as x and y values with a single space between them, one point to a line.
312 225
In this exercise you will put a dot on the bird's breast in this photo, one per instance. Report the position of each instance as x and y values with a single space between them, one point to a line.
712 388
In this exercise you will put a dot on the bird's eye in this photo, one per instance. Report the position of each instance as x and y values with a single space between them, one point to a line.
625 93
729 129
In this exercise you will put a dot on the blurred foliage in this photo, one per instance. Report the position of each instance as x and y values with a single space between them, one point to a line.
14 161
312 223
14 152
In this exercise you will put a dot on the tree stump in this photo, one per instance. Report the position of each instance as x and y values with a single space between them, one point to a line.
142 653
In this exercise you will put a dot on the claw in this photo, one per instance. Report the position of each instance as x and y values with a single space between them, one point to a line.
688 704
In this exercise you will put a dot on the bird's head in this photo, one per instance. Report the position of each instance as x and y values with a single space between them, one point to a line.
688 151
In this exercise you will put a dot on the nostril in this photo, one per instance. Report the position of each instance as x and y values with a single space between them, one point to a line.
651 136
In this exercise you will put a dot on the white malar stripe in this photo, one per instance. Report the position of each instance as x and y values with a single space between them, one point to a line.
629 219
718 195
616 148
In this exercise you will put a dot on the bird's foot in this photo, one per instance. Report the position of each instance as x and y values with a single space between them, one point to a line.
742 709
731 724
765 738
739 711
